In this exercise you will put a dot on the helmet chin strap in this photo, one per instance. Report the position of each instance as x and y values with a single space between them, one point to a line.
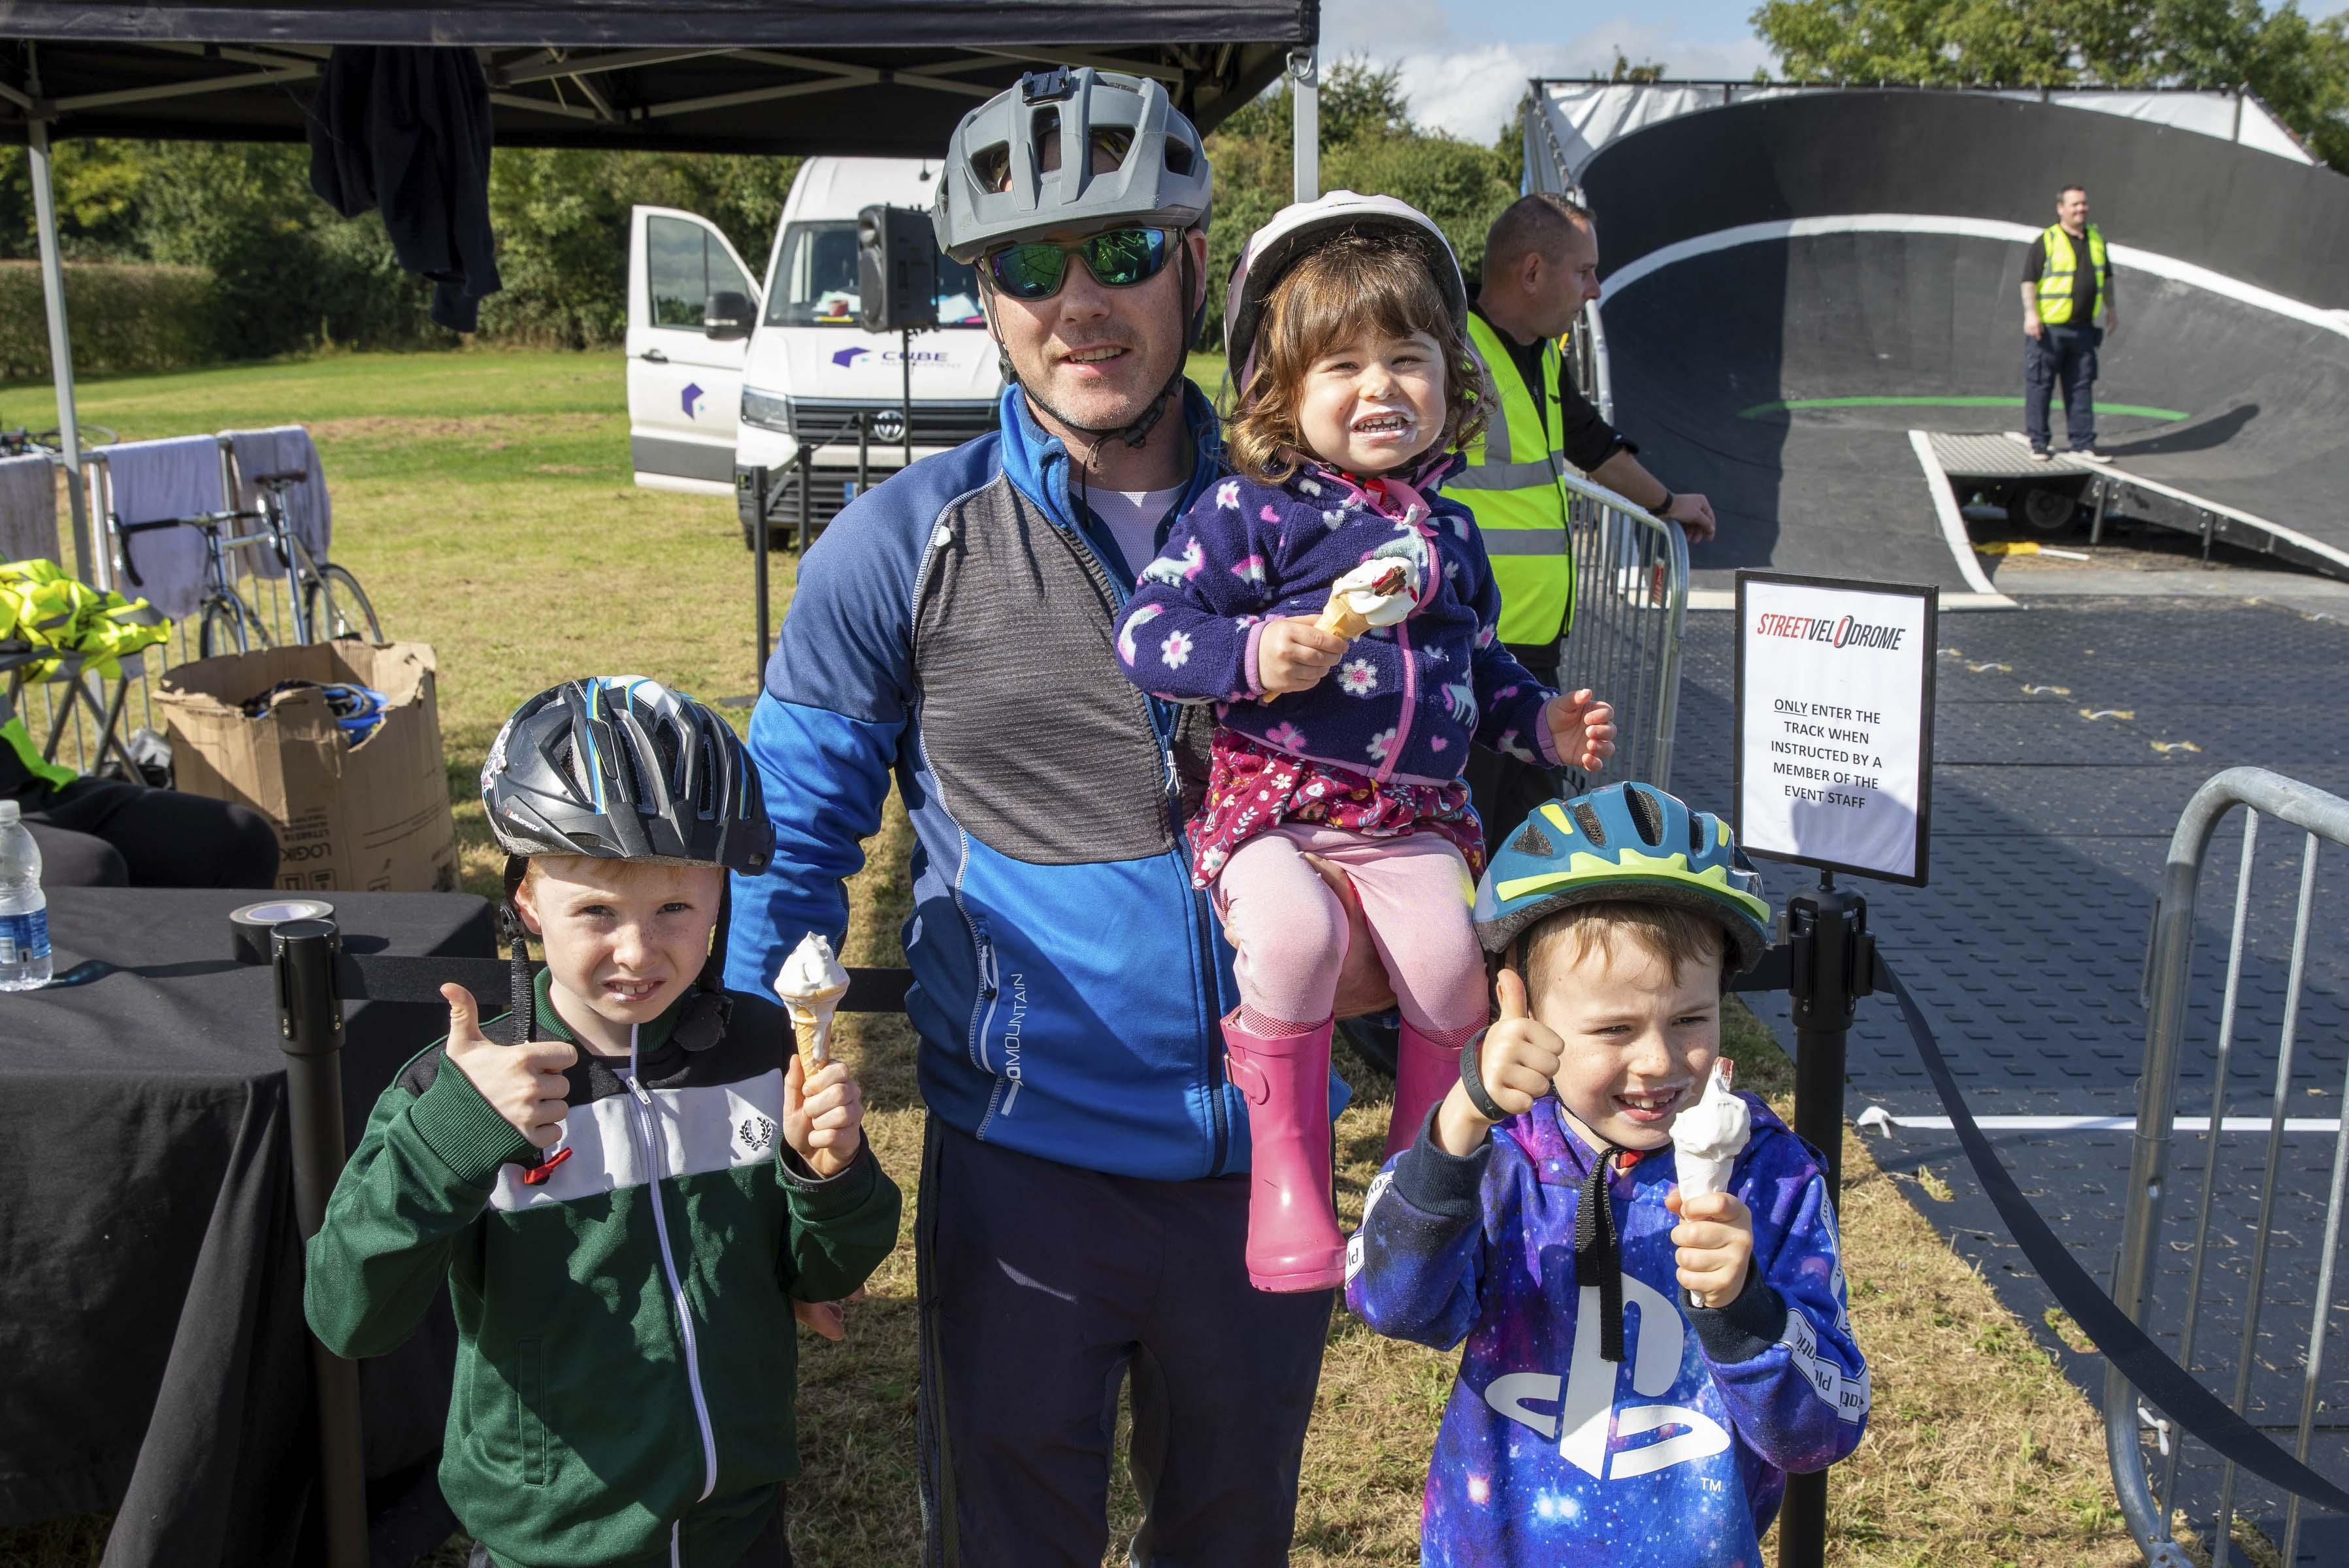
1136 431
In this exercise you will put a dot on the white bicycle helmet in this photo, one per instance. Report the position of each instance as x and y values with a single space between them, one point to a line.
1272 249
1162 182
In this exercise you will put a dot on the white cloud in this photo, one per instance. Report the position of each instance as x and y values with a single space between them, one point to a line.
1472 88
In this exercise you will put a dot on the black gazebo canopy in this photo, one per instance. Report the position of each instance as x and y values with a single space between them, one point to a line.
873 76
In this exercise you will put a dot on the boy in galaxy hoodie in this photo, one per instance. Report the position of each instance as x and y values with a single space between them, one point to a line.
1641 1374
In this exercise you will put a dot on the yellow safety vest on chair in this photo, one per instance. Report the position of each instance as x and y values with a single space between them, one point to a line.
2062 262
1511 485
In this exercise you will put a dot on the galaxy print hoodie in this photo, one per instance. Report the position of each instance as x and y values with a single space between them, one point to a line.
1550 1457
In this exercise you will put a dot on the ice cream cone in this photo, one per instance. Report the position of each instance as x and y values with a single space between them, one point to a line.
811 1023
809 986
1337 618
1698 1175
1375 593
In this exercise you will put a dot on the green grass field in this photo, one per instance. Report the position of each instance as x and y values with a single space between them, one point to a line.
485 500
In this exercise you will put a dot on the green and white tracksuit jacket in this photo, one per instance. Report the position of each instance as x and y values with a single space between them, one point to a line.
627 1360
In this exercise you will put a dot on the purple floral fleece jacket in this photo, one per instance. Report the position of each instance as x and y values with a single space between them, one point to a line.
1550 1457
1406 699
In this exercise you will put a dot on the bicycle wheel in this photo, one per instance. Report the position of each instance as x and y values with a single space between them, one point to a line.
337 606
89 436
228 627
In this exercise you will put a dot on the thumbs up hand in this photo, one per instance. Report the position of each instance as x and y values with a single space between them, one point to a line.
523 1083
1516 1058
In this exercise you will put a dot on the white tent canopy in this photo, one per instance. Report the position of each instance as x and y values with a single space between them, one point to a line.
1576 119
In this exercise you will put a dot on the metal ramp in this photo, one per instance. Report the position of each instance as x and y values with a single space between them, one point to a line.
2113 490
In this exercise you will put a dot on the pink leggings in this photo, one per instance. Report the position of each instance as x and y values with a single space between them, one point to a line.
1289 928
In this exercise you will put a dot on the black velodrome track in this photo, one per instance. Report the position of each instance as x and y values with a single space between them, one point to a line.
1696 344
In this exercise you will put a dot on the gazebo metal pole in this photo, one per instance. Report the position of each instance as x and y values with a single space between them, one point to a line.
53 295
1305 103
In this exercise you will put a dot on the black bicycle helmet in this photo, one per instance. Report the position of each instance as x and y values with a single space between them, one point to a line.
621 767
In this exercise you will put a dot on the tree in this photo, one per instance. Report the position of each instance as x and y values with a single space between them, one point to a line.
2298 67
1369 144
1645 71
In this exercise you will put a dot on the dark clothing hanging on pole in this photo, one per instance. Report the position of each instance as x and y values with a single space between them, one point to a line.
408 130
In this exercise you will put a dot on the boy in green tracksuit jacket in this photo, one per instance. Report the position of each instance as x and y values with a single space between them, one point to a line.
626 1198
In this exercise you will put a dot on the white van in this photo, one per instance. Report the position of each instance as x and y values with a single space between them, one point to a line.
707 397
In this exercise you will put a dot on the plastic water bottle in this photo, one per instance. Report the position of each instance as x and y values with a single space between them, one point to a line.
24 907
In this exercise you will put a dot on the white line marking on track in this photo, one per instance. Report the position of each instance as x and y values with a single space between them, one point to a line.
1953 526
1877 1116
2130 256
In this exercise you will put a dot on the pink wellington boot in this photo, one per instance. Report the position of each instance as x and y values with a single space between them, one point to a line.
1293 1243
1424 1073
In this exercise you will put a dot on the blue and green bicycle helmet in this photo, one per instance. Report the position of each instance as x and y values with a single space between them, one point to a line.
1628 843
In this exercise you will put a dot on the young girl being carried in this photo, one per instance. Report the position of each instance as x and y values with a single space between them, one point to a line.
1342 616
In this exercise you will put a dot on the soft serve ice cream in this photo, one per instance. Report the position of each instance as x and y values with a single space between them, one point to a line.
1378 592
1708 1137
810 986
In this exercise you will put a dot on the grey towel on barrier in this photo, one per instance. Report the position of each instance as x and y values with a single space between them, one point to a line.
29 508
281 448
152 481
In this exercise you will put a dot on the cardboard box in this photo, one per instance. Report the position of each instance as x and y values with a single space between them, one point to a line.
368 818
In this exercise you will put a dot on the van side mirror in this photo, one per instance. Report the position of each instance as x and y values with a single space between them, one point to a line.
728 315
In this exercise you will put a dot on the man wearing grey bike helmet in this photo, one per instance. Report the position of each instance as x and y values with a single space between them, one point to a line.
1084 1196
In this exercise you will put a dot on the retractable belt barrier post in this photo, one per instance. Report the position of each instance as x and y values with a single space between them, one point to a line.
1630 611
310 1032
1831 965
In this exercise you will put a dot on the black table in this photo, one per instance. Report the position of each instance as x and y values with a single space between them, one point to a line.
153 1356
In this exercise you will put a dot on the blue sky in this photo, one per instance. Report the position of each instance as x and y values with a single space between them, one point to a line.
1465 62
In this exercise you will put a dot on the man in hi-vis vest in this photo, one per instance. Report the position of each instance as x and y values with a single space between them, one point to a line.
2065 281
1541 266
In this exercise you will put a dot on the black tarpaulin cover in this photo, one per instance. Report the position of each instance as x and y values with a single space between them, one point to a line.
719 76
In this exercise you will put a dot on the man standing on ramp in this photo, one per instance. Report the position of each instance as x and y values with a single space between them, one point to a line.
2065 280
1541 266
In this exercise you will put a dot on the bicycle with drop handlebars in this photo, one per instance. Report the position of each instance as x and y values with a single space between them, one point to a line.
324 599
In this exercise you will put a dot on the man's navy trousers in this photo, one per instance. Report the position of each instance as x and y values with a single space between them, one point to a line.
1042 1286
2066 356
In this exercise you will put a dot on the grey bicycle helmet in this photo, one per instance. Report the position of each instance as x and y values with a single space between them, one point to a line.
621 767
1161 183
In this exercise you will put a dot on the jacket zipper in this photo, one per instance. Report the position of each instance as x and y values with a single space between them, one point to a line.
676 1286
1410 701
1163 724
1402 645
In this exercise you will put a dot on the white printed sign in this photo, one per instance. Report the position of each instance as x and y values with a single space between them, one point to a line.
1835 723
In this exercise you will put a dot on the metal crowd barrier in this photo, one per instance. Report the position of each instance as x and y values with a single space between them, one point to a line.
1631 608
2289 1345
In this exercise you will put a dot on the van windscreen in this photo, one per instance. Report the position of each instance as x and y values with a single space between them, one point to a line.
815 280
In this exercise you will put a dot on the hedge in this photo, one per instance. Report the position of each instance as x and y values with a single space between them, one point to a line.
123 316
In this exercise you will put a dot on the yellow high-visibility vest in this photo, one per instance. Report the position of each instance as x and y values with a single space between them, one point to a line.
2063 262
1511 485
